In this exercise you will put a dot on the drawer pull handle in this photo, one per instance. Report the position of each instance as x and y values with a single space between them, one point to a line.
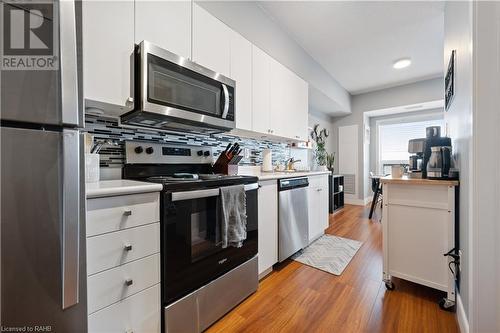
128 247
129 282
127 213
319 189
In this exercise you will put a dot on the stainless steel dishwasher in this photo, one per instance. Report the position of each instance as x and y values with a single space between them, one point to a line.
293 225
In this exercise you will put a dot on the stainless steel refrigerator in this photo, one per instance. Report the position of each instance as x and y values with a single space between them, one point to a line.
43 267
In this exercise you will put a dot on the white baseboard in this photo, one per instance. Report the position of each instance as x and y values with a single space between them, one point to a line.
356 201
463 323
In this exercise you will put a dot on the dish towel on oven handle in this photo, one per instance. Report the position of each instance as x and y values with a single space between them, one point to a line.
233 215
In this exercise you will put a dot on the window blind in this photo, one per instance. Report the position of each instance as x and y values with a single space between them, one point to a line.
393 139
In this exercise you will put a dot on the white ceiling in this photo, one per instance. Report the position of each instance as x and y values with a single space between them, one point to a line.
357 42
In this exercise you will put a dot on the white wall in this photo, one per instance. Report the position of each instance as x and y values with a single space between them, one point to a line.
247 18
458 36
484 298
324 121
414 93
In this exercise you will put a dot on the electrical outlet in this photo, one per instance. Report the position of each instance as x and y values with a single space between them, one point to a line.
460 260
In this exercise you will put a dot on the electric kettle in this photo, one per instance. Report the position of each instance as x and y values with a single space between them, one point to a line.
439 163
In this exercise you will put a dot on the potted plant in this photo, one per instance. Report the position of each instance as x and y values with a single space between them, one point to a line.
330 161
319 136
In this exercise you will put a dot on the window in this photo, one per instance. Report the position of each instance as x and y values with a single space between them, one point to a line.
393 140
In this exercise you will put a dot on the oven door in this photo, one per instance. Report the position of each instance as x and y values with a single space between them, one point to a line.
178 88
192 254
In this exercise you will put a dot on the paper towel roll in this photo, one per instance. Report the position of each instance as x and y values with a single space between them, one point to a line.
267 160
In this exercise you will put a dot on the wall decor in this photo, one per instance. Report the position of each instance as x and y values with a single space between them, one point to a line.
449 81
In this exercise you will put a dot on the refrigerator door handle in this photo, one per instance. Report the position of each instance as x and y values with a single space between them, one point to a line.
70 107
70 247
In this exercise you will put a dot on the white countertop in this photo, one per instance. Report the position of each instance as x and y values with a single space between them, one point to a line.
106 188
252 171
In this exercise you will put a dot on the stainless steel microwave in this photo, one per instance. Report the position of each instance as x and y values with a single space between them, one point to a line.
172 92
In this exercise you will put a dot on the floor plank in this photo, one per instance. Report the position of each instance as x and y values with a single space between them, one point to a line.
299 298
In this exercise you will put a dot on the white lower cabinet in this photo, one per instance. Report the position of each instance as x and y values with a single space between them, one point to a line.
268 225
123 264
115 284
318 206
139 313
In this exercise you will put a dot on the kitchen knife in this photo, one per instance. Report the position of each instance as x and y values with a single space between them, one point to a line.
227 148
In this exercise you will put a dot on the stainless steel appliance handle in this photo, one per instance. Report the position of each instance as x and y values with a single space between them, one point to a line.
213 192
226 101
70 107
70 247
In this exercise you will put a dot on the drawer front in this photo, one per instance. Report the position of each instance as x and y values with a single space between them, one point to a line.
320 181
121 212
118 283
139 313
110 250
424 196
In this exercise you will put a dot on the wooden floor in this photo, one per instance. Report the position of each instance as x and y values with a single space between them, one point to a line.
299 298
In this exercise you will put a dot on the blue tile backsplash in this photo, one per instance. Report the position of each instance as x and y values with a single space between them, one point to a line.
114 156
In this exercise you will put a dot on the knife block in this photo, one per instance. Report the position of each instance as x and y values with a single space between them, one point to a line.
223 166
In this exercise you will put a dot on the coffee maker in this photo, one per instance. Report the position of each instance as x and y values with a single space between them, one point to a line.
433 139
415 162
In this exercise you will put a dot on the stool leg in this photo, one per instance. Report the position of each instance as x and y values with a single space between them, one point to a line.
374 203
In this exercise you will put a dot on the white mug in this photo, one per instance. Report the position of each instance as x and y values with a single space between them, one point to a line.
397 171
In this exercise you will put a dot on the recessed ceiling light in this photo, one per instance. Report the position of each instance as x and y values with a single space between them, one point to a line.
402 63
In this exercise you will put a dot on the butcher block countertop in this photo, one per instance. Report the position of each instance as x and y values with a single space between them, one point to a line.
418 181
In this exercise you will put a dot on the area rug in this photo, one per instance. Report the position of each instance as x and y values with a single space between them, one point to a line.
329 253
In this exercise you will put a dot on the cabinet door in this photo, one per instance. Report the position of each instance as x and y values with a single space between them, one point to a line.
314 229
108 44
211 41
268 225
318 206
260 91
323 210
166 24
241 72
279 99
300 107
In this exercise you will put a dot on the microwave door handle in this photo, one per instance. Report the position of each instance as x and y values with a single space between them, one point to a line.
226 101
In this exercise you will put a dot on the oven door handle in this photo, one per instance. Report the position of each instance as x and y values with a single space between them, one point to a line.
213 192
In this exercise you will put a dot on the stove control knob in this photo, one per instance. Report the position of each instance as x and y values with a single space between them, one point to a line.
149 150
199 152
206 153
138 149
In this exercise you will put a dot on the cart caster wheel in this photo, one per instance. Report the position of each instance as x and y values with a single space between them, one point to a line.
389 285
446 305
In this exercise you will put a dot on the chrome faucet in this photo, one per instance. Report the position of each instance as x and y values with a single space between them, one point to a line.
290 163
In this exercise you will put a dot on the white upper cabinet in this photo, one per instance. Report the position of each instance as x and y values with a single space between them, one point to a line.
280 100
260 91
164 23
108 45
300 108
288 103
241 72
211 41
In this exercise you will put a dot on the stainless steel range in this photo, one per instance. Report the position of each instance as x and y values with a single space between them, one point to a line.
201 281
